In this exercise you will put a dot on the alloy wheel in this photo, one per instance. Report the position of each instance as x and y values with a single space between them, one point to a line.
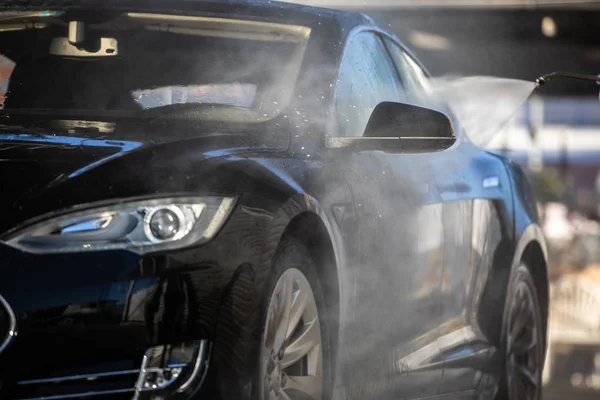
291 353
523 364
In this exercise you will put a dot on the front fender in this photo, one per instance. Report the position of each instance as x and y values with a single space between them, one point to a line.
531 233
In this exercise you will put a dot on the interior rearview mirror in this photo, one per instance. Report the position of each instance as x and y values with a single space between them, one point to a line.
106 47
81 43
401 127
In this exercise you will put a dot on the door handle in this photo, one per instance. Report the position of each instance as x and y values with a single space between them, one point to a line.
456 187
491 182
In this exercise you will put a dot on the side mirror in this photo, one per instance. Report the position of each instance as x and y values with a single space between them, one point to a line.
405 121
404 128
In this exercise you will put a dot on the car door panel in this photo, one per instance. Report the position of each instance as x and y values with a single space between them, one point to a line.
476 202
397 281
397 308
420 356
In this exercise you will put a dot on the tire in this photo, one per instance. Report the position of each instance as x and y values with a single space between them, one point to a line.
309 377
523 339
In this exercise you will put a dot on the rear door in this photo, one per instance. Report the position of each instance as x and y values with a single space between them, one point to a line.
474 188
398 279
477 206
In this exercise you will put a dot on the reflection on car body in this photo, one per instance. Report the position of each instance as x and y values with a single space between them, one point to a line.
251 201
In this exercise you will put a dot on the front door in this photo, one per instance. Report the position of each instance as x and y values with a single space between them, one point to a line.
473 188
394 328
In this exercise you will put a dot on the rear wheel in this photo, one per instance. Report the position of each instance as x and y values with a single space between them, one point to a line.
294 360
523 339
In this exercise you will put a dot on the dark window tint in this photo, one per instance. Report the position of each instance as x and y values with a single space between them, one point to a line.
414 79
133 63
417 85
367 77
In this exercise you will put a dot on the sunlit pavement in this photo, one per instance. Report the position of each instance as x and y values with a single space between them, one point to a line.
576 375
569 393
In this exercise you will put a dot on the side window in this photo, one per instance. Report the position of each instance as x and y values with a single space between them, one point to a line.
413 77
6 68
367 77
417 84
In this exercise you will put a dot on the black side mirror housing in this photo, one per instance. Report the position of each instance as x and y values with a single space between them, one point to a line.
401 120
401 128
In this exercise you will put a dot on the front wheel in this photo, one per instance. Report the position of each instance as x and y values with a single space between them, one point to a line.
523 339
294 356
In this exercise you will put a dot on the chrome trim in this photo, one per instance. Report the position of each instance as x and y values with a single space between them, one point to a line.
200 361
161 380
200 364
139 385
59 379
12 324
142 386
79 395
336 142
180 365
206 364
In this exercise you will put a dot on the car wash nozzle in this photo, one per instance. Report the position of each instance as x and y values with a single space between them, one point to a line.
542 80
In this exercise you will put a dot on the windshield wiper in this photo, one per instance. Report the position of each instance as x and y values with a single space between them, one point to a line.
44 112
183 108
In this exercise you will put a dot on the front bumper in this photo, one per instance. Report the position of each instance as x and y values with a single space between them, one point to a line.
96 315
166 372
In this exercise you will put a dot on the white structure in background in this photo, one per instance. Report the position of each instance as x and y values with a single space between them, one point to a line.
556 224
536 118
574 319
563 128
552 139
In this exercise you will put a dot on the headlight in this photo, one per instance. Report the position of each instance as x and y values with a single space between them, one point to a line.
141 226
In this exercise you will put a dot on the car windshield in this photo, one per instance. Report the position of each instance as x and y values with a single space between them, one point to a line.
137 64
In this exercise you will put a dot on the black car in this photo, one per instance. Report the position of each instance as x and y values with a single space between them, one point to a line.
246 200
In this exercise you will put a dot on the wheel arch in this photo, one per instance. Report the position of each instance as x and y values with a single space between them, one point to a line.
534 259
309 229
532 251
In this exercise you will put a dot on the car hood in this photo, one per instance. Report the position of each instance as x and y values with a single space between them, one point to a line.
31 164
43 173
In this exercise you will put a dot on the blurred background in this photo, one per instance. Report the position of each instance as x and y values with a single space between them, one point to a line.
555 135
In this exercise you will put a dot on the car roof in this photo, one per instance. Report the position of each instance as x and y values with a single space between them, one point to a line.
262 9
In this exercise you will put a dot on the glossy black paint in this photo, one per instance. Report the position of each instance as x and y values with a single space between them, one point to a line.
414 318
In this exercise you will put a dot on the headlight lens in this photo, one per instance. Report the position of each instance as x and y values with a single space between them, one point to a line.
141 226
